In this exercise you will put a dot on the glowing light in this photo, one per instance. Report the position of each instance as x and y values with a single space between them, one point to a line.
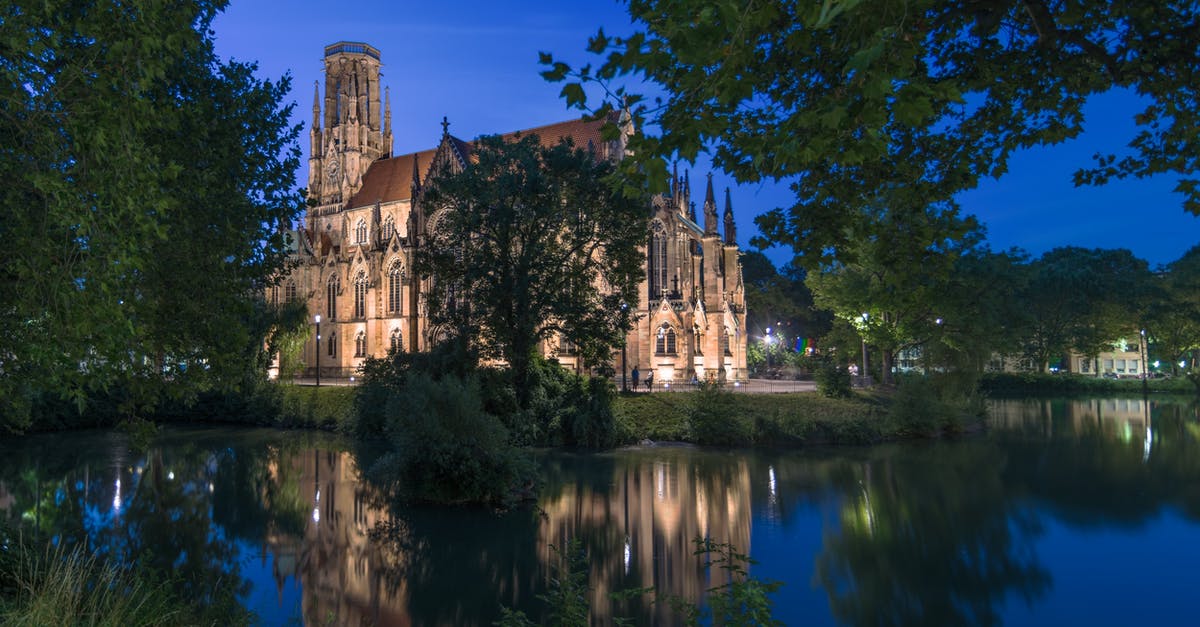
1146 445
171 476
628 554
117 497
771 482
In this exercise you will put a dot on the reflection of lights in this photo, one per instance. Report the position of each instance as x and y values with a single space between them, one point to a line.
210 487
117 497
771 480
628 554
660 481
1146 445
317 509
171 476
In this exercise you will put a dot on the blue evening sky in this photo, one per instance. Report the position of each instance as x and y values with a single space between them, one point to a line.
476 63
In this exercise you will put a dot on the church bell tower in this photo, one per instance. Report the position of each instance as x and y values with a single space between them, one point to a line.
350 129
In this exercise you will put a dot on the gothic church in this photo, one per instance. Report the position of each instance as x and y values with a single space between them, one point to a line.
356 248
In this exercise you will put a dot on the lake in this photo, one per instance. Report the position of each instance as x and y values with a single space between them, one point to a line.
1062 512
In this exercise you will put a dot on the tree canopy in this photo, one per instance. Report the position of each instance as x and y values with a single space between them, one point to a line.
532 243
147 188
918 99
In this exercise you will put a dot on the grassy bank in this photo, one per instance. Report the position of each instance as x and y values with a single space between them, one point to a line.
764 419
1022 383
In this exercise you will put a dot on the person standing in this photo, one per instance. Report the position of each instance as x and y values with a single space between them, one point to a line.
636 375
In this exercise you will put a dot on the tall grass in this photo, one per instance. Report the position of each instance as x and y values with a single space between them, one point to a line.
58 586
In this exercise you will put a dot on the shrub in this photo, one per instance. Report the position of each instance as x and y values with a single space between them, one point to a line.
929 405
713 418
833 380
444 448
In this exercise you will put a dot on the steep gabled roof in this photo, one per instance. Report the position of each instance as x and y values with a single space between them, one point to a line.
389 180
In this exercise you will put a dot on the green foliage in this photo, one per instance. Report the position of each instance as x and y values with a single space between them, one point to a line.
926 406
742 600
1022 383
774 419
444 448
539 243
833 378
148 182
713 418
920 98
57 586
1106 289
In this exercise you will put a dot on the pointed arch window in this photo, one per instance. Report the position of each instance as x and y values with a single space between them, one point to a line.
360 232
331 290
332 349
394 342
665 343
274 298
360 344
656 266
360 296
389 228
289 291
395 287
697 340
731 341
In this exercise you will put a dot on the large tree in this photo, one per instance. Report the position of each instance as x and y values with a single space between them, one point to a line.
916 97
896 265
532 242
1083 299
147 188
1173 318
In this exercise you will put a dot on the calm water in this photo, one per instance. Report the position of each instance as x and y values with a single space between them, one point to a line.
1065 512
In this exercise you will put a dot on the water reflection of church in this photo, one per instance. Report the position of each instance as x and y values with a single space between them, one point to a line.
352 561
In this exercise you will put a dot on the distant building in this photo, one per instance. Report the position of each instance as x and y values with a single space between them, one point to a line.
355 251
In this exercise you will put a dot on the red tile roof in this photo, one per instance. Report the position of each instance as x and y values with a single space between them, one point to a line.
390 179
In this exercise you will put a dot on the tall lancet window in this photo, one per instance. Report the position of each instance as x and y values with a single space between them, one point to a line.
395 284
389 227
360 296
656 266
360 232
331 290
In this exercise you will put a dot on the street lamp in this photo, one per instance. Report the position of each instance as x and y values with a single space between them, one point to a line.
317 318
624 345
767 341
865 317
1142 348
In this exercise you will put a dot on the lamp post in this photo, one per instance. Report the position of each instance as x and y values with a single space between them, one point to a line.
317 318
1143 349
865 317
624 345
767 341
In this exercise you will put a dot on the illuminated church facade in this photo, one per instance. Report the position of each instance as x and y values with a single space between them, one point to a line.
366 220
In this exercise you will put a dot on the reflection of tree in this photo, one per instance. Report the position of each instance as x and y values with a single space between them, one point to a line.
1087 451
928 537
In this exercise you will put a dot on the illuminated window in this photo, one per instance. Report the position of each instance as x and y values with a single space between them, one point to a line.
665 344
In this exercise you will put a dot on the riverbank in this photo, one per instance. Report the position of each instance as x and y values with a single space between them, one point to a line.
1030 383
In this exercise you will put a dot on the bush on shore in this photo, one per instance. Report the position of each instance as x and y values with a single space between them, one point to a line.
1067 383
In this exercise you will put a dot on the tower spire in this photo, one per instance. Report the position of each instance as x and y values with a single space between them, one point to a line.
710 209
730 227
316 110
